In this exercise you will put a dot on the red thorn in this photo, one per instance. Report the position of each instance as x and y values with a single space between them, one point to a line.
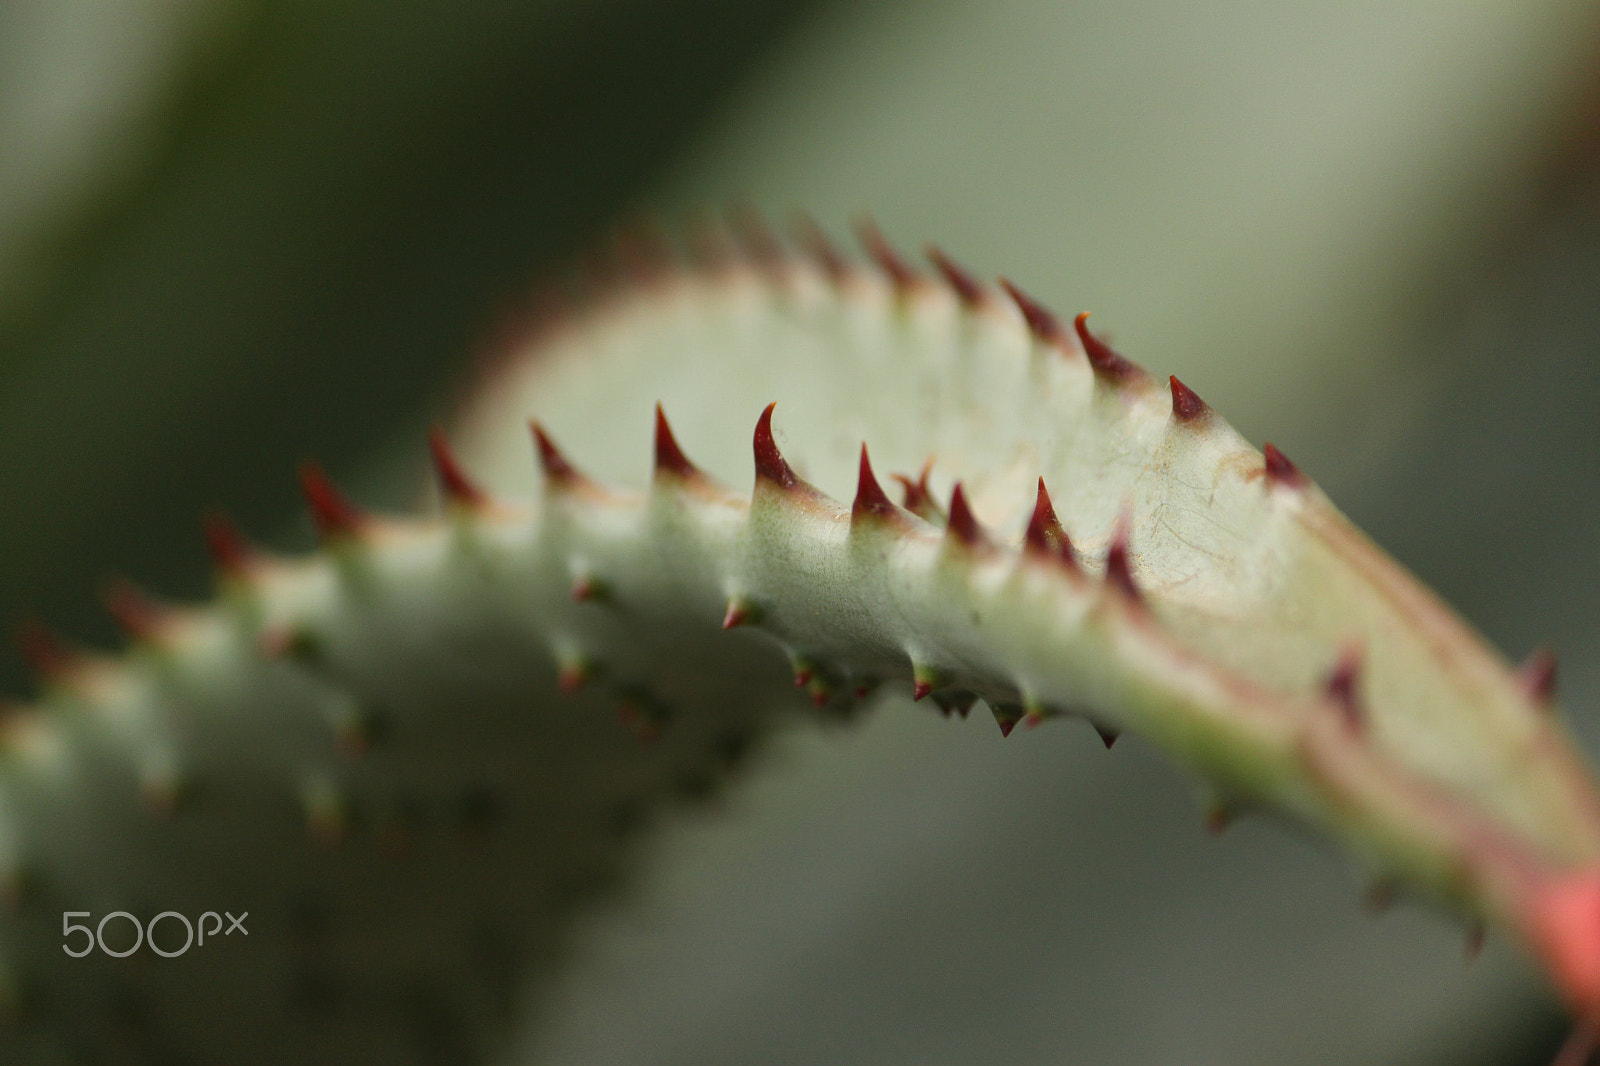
571 678
1476 935
709 246
1187 406
802 676
1045 536
139 616
918 498
963 526
754 236
1108 736
1538 677
669 457
1340 687
351 740
229 551
1380 897
162 798
870 498
920 689
1280 469
770 464
816 244
588 589
642 251
1006 716
1579 1046
453 482
1105 360
1042 322
557 470
820 696
884 255
45 653
335 516
1119 574
963 284
958 702
738 614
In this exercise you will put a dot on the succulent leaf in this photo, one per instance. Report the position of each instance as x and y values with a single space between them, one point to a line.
458 720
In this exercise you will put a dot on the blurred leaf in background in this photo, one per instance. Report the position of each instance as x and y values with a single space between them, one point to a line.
283 227
238 233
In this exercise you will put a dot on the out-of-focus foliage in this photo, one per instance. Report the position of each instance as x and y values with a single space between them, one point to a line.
331 207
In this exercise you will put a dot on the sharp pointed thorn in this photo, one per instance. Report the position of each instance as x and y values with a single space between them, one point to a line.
1044 325
46 654
230 552
669 457
588 589
888 260
918 498
458 490
1119 571
641 250
1538 677
1380 896
163 798
770 464
1219 816
1280 469
1477 933
955 702
963 526
334 515
1108 736
921 689
1045 537
138 616
870 501
740 612
709 246
802 676
1579 1047
816 244
755 237
571 678
1006 716
1342 687
1102 357
963 284
1187 406
557 470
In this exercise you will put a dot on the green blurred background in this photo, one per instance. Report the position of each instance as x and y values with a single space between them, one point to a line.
234 234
